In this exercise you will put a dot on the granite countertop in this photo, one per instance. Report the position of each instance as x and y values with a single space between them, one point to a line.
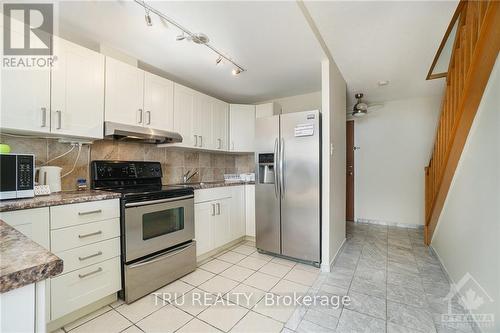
55 199
23 261
214 184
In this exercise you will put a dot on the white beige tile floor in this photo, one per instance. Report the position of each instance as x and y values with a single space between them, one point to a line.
394 282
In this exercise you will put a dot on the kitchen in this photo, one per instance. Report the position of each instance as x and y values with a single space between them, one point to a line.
139 180
161 172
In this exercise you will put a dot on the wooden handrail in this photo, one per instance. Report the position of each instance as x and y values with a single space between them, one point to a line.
475 50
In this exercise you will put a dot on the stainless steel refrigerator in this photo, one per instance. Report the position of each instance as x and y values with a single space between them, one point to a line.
288 185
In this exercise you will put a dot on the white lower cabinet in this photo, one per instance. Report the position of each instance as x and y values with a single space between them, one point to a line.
219 217
33 223
250 210
82 287
203 227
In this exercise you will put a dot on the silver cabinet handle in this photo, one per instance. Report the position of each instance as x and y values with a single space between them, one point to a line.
232 145
90 212
275 169
59 119
90 256
44 117
282 177
148 113
140 116
220 143
196 140
91 234
201 140
81 276
218 208
213 209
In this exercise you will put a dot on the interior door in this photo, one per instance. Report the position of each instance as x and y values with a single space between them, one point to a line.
349 211
77 91
299 175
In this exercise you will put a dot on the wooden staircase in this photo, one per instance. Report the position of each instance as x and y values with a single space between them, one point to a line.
475 49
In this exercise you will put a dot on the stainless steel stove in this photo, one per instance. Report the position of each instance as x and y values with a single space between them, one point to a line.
157 225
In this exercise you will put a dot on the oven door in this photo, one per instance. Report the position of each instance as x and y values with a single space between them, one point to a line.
152 226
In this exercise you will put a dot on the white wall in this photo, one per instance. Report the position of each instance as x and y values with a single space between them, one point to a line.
467 237
395 145
304 102
334 162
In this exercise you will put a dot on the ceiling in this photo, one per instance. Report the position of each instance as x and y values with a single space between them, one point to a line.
395 41
370 41
270 39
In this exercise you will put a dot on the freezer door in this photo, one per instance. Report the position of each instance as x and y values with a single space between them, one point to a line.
300 185
267 204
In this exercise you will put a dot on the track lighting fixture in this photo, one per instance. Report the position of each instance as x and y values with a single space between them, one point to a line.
147 17
198 38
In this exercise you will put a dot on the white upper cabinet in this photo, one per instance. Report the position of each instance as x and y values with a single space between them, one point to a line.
220 115
158 102
25 96
267 110
241 128
124 102
202 121
184 100
77 107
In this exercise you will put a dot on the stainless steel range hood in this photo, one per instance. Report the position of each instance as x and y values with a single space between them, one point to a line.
124 132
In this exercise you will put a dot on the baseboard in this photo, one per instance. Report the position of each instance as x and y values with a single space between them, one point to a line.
389 223
250 238
327 267
82 312
201 258
475 327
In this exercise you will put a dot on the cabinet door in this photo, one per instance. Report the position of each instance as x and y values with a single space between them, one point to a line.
158 102
220 125
184 99
124 93
222 222
202 125
77 106
33 223
250 210
25 95
242 127
203 220
237 212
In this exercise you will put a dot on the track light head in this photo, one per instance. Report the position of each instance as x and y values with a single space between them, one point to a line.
149 22
236 71
219 60
180 37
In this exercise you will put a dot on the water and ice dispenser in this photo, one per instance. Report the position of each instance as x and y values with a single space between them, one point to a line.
266 168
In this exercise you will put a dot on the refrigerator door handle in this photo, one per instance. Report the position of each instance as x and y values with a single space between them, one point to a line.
282 159
275 169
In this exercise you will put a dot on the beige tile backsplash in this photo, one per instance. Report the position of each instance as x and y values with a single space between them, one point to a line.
175 161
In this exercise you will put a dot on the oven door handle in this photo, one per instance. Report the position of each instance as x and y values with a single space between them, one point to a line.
152 202
161 256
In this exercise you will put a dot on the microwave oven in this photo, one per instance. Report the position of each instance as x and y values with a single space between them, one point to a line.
17 176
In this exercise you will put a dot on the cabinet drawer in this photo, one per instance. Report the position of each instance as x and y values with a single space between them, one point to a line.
74 214
69 238
82 287
89 254
210 194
